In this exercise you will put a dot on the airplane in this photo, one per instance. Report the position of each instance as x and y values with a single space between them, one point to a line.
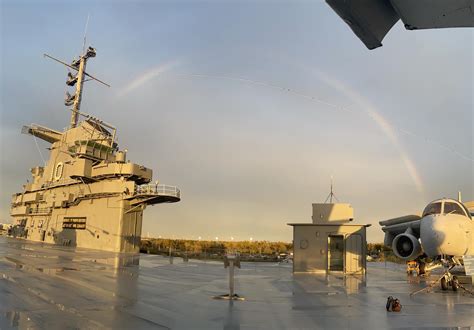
444 233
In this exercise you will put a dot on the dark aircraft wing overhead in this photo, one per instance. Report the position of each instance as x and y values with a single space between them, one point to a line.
433 14
369 19
372 19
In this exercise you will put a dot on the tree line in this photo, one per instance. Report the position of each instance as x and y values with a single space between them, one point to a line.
248 250
216 249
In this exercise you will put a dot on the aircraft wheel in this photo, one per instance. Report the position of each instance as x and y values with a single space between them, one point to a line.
455 283
422 268
444 284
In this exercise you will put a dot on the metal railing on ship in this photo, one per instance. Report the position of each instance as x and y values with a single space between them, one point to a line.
158 189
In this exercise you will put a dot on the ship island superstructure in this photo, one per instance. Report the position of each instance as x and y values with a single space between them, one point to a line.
87 194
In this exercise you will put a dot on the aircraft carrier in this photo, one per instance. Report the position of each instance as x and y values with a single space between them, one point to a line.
89 200
87 194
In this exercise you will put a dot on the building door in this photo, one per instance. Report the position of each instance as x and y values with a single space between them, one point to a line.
335 253
354 253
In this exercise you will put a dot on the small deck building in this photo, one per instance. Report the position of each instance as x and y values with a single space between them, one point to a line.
331 243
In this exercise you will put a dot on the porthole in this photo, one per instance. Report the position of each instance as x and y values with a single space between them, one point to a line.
304 244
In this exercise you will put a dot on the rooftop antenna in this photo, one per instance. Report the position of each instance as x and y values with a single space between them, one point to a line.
78 80
331 195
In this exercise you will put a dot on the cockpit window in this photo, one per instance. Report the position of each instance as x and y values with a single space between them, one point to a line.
433 208
453 208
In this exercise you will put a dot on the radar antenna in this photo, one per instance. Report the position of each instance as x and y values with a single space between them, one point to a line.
78 80
331 195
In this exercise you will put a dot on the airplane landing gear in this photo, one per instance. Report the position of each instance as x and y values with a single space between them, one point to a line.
448 280
444 283
422 268
455 283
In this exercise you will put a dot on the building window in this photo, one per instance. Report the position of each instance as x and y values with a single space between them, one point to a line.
74 223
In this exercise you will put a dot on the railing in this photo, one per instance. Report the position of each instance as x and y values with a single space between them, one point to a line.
158 189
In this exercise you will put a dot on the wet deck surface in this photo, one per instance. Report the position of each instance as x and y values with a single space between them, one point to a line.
52 287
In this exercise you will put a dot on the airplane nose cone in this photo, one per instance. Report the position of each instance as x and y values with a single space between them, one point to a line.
441 234
431 235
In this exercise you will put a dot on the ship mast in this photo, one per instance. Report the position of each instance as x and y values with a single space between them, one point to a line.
79 86
77 80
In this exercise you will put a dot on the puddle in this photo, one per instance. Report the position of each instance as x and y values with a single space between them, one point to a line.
324 293
53 270
14 318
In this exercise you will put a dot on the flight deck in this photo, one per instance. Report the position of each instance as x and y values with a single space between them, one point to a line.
57 287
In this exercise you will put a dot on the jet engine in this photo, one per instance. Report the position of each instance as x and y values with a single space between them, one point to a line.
406 246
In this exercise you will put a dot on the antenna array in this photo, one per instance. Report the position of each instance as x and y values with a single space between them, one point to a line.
331 195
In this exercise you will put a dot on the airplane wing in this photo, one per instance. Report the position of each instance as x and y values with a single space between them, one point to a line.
395 226
371 20
470 207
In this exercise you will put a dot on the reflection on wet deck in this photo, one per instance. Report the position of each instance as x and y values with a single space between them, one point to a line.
45 286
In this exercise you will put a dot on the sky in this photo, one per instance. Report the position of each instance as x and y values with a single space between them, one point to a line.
249 107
